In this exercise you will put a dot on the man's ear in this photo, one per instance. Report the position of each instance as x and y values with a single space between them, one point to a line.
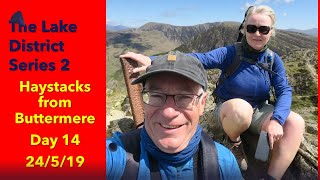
202 103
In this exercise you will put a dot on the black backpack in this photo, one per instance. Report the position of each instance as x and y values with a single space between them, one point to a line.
205 162
238 59
240 35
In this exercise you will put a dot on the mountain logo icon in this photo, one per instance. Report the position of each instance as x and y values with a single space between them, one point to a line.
17 18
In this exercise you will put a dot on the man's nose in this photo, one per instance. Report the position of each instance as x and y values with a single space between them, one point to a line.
170 109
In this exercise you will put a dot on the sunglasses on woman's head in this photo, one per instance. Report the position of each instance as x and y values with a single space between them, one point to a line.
262 29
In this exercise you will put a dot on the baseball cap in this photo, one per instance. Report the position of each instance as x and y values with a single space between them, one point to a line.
176 62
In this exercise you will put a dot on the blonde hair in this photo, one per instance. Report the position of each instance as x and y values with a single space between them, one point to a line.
265 10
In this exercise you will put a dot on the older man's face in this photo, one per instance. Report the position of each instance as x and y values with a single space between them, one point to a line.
169 126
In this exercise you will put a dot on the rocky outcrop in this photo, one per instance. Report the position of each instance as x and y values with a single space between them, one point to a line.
304 166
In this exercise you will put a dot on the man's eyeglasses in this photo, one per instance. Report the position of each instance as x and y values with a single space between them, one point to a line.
185 101
262 29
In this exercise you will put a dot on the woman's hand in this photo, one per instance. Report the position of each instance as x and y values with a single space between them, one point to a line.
275 132
144 61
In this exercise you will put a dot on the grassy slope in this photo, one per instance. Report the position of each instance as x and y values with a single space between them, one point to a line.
148 43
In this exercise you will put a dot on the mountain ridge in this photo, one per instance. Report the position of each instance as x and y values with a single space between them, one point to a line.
156 38
312 31
298 51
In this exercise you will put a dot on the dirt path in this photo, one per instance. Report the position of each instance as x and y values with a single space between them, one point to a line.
313 71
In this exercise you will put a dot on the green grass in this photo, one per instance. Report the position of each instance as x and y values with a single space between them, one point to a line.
304 101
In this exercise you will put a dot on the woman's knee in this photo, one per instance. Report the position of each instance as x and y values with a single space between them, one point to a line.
237 109
295 122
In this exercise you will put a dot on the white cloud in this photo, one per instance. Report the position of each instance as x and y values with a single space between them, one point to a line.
257 2
284 14
288 1
246 5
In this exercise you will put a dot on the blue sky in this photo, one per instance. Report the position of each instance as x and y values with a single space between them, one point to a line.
298 14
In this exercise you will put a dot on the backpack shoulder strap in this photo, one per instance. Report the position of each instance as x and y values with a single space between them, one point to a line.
207 165
238 58
236 61
131 142
208 159
270 58
270 62
233 66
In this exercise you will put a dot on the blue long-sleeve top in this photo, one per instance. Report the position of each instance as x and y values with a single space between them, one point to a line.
250 82
116 162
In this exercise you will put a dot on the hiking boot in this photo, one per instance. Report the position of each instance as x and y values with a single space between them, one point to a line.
237 149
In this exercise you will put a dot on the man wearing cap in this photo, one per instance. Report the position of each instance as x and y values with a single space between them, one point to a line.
171 144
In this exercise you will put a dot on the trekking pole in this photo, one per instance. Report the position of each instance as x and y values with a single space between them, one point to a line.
134 91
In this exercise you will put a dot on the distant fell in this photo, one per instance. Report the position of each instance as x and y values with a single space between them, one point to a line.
311 32
178 34
225 33
116 28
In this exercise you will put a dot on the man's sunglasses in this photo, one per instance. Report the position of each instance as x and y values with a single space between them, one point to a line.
262 29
